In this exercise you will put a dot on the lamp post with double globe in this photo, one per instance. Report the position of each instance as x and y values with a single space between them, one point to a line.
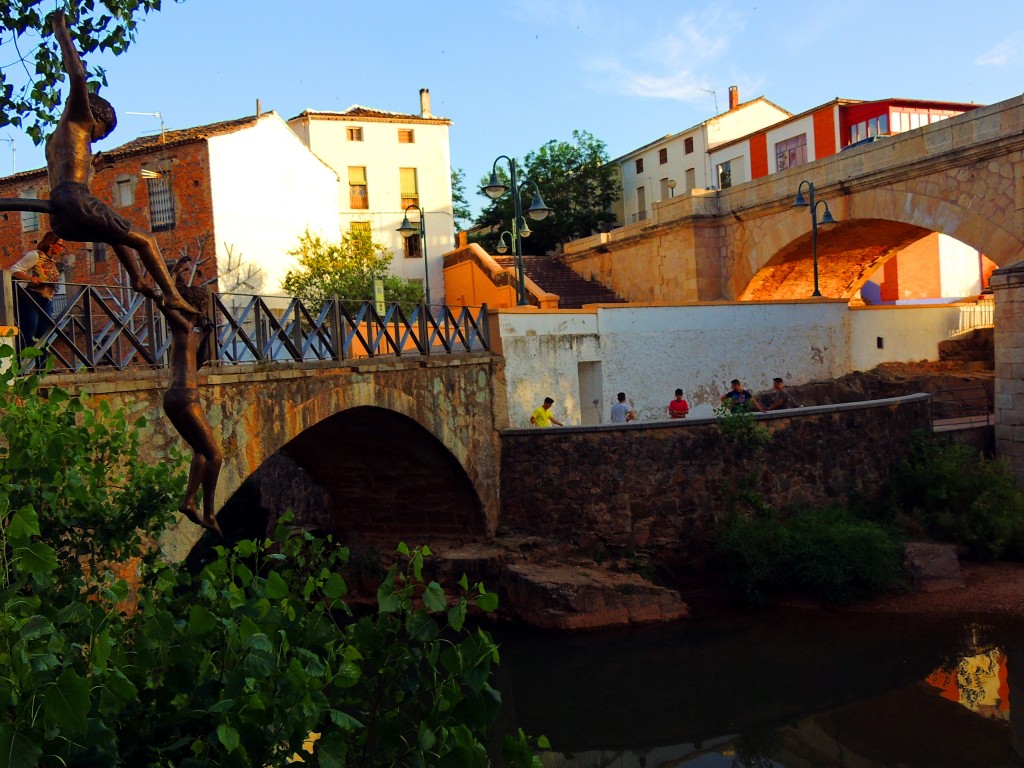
408 230
826 219
538 210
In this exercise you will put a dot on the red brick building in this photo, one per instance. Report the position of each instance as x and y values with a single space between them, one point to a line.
246 185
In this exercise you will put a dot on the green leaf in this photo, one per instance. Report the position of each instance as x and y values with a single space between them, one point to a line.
403 548
36 558
433 598
457 616
487 602
66 702
276 587
335 586
228 737
24 523
17 749
200 621
330 751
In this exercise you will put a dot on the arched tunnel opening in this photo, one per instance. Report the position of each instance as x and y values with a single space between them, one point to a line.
874 261
365 471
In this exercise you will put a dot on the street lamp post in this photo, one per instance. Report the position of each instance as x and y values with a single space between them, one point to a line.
826 219
408 230
537 211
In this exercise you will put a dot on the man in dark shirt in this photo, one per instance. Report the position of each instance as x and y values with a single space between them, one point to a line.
740 399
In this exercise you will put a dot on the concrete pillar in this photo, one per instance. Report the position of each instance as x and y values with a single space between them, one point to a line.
1008 285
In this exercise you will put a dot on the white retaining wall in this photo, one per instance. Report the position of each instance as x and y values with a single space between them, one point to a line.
579 357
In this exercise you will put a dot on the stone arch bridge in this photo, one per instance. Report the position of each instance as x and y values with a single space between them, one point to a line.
963 177
397 444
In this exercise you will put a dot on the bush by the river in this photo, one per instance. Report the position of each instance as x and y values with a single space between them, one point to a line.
954 494
828 553
236 666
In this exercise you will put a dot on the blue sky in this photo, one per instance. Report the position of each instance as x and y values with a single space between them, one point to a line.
515 74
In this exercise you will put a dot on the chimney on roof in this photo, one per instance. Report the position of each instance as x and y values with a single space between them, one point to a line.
259 108
425 102
734 96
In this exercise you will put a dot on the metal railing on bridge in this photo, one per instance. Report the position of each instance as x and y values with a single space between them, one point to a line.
94 326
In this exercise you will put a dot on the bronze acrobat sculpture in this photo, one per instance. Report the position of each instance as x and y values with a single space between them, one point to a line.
75 214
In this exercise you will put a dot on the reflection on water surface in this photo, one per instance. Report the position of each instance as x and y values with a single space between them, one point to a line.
787 689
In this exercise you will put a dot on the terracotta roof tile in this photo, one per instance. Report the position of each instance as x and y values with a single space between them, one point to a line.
177 138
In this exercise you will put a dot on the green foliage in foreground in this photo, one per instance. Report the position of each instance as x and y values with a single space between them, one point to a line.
740 430
233 667
828 553
954 494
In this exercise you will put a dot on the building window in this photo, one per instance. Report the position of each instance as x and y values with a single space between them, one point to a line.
29 219
354 134
662 155
641 205
406 136
691 179
639 165
161 201
688 145
413 247
358 196
124 193
410 190
725 175
99 256
359 227
791 152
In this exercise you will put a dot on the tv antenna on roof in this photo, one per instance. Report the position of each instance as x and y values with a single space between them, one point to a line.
160 117
715 95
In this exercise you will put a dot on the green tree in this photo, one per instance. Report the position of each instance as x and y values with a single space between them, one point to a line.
31 71
460 205
576 182
233 667
345 269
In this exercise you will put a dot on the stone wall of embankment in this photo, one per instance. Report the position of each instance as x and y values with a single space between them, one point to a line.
662 487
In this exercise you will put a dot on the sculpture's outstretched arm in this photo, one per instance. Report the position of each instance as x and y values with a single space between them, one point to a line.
78 97
24 204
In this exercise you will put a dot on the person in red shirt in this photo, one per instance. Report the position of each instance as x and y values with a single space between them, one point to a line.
678 408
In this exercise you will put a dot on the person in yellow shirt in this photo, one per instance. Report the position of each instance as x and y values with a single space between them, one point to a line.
542 416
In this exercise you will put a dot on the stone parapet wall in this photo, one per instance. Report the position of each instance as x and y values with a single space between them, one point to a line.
663 487
1008 286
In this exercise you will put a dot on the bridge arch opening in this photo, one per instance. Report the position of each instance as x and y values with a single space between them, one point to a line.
365 471
874 261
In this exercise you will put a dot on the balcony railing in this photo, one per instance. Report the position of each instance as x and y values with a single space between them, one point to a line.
93 327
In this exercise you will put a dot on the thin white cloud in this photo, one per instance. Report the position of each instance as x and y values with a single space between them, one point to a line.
674 64
1008 52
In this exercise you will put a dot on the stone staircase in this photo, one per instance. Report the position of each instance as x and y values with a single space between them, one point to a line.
555 277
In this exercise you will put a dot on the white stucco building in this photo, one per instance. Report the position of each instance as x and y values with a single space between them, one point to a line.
387 161
259 210
682 159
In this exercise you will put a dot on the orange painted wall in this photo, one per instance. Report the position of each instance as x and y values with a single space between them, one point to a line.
824 134
465 284
759 155
914 273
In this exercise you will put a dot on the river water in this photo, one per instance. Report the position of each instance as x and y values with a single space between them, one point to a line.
784 688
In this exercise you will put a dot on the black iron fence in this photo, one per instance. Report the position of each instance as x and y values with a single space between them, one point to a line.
90 327
961 407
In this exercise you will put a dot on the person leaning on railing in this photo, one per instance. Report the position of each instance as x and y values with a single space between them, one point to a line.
38 268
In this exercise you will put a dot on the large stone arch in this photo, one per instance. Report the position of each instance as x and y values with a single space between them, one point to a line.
365 470
873 225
